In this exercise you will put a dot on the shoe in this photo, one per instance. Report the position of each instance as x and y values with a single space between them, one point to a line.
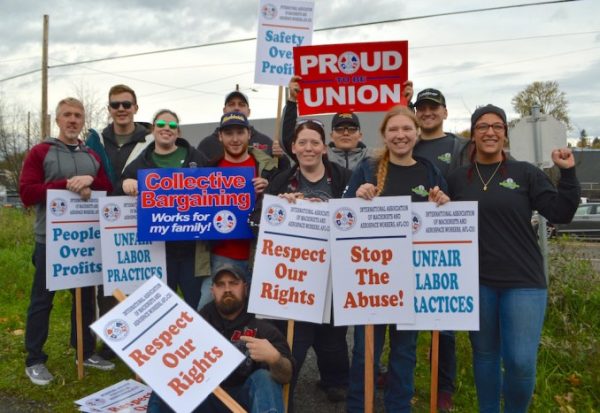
39 374
97 362
336 394
444 402
106 353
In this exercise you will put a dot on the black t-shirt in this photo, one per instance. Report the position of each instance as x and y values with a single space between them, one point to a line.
407 180
509 256
438 151
320 189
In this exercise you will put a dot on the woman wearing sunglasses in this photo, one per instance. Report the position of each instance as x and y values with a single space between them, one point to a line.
393 172
512 286
169 150
317 179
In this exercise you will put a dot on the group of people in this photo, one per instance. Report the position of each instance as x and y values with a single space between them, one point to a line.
214 277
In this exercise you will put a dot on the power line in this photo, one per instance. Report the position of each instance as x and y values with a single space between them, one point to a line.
226 42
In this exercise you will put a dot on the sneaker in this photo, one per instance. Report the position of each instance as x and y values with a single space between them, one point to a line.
39 374
97 362
444 402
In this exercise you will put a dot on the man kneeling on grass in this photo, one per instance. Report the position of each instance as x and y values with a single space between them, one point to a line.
257 383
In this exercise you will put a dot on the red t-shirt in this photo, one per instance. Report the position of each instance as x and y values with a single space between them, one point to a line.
236 249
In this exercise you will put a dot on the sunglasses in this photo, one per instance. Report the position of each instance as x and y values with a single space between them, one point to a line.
315 121
127 104
163 123
349 129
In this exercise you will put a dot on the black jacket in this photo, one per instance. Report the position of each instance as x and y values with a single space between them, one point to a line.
246 324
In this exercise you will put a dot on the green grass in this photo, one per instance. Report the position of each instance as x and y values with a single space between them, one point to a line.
568 364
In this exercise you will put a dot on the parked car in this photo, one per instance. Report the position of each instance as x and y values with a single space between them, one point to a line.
585 223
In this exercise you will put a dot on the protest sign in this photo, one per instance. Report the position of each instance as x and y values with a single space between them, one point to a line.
291 265
282 24
126 262
371 244
73 257
194 203
446 261
352 77
125 397
169 345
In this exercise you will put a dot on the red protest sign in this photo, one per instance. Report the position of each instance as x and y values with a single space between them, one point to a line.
353 77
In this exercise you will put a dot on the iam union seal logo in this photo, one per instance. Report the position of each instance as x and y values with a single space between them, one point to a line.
116 330
348 62
269 11
275 214
111 212
345 218
417 222
224 221
58 207
96 401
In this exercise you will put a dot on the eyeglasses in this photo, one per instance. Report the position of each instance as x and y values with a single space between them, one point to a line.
127 104
483 127
163 123
349 129
315 121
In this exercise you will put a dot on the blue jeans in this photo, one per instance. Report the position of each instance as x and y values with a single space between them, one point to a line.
400 384
38 313
259 394
511 321
180 271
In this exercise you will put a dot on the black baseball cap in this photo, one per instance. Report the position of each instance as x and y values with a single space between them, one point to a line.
431 95
238 94
345 118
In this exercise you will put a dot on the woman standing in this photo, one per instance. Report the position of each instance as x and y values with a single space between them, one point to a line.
170 151
316 179
513 288
394 172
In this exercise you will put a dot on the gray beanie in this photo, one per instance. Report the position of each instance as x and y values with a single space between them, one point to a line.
482 110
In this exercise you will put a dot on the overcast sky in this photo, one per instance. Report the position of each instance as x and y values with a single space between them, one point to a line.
474 58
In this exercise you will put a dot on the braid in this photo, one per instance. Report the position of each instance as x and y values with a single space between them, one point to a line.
382 170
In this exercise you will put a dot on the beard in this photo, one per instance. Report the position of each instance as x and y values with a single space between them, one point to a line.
229 304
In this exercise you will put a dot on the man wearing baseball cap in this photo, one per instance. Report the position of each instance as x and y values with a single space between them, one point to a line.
447 152
237 101
233 134
257 383
346 147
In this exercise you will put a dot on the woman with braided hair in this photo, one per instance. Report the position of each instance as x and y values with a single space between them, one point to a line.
393 172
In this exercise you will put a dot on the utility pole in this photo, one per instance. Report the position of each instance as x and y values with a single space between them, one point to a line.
45 130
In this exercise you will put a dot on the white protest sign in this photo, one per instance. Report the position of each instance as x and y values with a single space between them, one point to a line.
126 261
445 257
170 346
125 396
73 257
371 245
291 265
282 24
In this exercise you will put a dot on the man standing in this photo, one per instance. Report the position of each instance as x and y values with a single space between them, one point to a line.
118 144
447 151
58 163
256 383
346 148
236 101
234 135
